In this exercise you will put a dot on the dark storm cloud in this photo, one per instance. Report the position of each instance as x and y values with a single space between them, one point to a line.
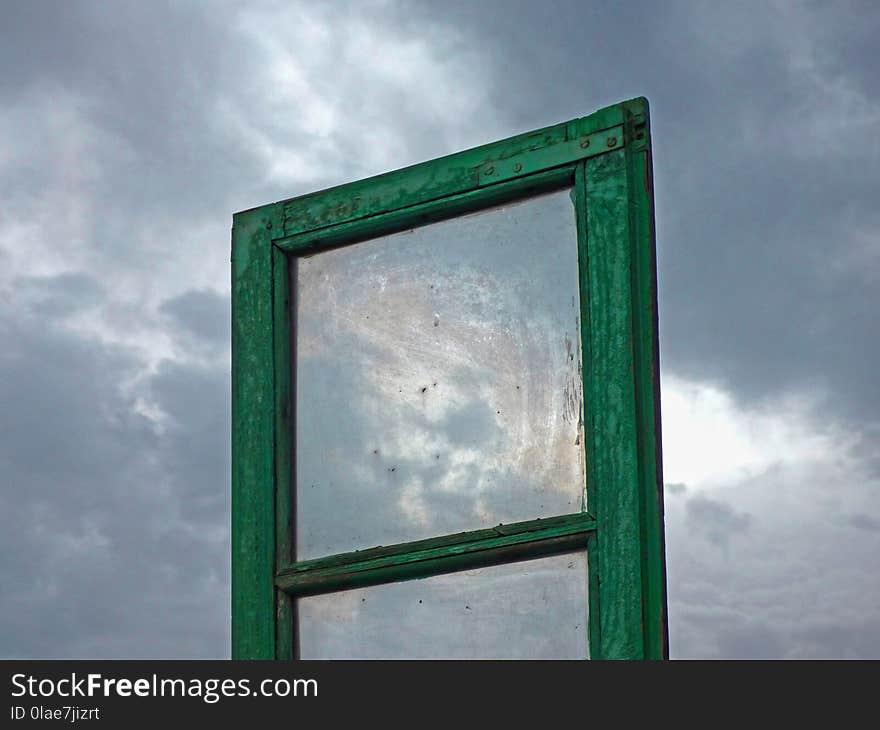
129 134
864 522
750 640
143 80
773 576
717 521
110 126
857 640
61 295
195 446
761 185
89 484
766 156
203 315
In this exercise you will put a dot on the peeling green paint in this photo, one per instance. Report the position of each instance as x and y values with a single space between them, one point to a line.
606 156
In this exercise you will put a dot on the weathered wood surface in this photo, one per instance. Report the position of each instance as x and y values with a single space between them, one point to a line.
472 169
438 555
622 398
607 158
253 438
450 206
646 354
284 425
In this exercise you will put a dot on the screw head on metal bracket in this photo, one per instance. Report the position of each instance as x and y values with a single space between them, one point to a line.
611 141
585 143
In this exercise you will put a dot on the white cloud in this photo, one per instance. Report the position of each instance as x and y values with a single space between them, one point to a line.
711 441
332 94
346 93
773 542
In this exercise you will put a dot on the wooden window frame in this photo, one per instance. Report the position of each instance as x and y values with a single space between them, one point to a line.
606 158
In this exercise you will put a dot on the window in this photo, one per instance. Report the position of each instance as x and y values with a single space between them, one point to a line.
446 408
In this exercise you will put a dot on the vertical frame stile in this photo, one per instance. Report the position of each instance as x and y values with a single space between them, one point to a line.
646 351
623 392
253 436
284 424
579 193
612 404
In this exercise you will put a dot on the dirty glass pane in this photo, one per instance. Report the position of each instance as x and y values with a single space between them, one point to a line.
438 379
532 610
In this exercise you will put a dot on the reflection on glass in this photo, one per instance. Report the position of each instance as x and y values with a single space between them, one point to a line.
531 610
438 379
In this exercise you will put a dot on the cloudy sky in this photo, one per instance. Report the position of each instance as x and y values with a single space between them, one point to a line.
131 131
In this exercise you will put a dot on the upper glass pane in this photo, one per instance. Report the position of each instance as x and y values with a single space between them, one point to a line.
438 379
531 610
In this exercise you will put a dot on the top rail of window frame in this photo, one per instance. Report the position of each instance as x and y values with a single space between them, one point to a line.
512 167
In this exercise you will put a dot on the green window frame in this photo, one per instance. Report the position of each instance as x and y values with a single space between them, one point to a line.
606 157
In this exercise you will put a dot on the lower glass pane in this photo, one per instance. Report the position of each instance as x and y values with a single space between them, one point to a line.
535 609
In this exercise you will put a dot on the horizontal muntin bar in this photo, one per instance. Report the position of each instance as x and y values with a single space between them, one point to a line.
447 554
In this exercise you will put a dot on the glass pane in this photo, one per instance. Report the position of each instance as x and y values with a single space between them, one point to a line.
531 610
438 379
